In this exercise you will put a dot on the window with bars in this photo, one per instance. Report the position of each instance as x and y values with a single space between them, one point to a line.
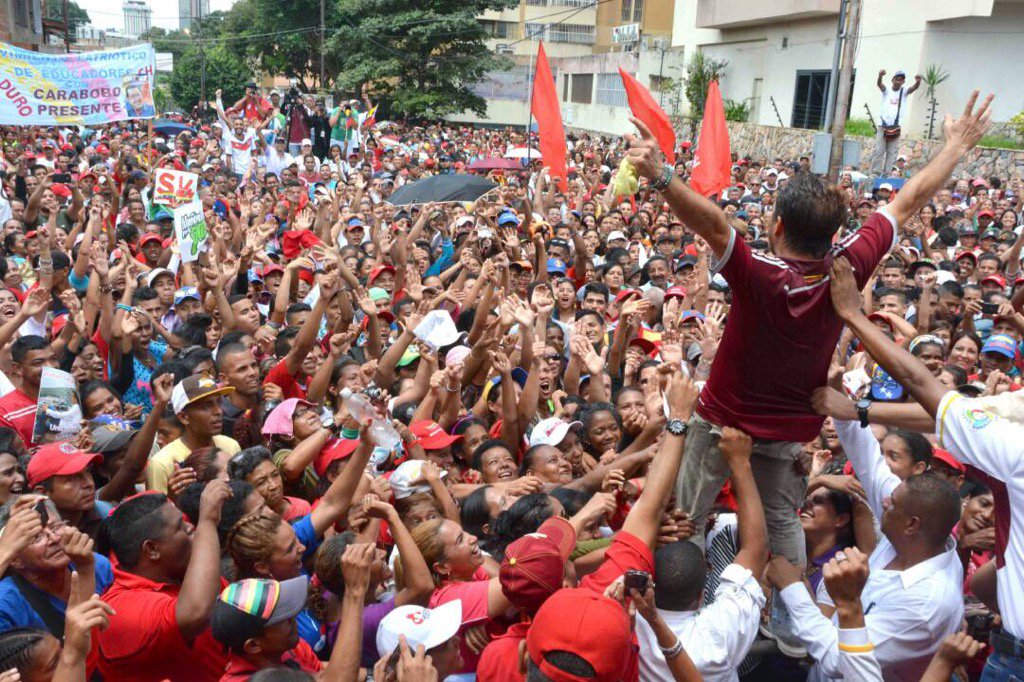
537 3
575 3
498 29
580 34
610 90
632 11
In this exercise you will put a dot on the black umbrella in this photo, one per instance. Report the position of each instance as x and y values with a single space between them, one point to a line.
440 188
168 128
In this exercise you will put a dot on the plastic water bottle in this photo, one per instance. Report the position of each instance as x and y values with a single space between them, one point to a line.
359 406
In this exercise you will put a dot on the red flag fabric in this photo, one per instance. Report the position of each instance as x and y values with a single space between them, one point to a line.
549 120
643 106
712 161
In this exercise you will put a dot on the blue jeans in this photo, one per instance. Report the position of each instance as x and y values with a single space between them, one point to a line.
1002 668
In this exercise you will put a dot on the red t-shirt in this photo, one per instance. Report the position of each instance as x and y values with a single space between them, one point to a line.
781 333
143 642
474 608
290 387
499 661
301 658
18 412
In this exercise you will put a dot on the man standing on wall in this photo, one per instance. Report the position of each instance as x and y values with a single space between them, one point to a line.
890 117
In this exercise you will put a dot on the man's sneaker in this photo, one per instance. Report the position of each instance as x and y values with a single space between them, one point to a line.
780 628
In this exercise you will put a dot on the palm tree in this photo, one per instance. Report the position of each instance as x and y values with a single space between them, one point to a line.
933 76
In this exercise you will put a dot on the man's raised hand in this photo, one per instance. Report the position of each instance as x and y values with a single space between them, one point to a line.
644 153
968 130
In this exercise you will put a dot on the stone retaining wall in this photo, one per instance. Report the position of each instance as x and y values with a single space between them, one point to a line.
761 141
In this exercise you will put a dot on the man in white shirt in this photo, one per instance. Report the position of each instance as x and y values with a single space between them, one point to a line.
718 636
277 156
990 445
892 113
238 140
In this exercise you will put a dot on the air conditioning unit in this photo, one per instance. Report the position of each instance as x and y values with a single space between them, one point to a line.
503 48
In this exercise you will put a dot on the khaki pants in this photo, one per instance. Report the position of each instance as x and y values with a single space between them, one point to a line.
884 156
782 488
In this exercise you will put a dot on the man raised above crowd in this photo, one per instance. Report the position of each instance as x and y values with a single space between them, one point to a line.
782 301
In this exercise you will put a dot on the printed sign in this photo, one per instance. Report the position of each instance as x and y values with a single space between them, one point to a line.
58 414
191 230
174 188
87 88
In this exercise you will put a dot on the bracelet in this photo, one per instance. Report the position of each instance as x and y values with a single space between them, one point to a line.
672 651
276 326
106 289
122 306
451 390
667 173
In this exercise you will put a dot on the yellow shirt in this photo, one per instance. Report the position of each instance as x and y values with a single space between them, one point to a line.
161 465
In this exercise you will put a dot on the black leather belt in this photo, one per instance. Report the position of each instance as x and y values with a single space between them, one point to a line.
1006 644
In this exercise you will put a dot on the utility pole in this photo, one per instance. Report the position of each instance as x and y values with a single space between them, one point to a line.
833 77
322 34
662 45
67 30
842 108
198 20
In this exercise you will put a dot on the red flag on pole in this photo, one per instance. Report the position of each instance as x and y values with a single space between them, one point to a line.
712 161
643 106
549 120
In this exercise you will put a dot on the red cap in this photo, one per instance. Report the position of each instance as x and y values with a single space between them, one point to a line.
338 449
383 316
624 294
675 292
534 564
58 459
1018 281
57 326
306 276
102 149
948 459
994 279
271 269
987 212
376 272
881 318
967 254
646 345
585 623
61 190
150 237
431 436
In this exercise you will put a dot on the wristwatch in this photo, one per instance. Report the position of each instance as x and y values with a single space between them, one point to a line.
862 411
677 427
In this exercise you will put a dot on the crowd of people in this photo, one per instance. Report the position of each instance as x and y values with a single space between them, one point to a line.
550 434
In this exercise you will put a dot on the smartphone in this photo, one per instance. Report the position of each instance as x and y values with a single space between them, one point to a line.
636 580
61 177
989 308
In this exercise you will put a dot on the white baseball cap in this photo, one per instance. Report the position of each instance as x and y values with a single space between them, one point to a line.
420 626
551 431
402 478
305 142
616 234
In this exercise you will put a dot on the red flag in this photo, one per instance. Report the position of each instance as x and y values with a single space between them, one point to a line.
712 161
549 120
654 117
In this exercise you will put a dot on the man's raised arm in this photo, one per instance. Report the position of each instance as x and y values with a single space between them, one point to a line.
962 135
697 212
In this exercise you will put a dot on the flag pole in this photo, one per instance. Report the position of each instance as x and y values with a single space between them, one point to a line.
529 110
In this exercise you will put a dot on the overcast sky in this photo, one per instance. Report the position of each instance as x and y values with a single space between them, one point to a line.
108 14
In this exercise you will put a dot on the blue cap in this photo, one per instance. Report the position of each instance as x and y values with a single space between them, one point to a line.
186 293
163 214
519 375
254 276
354 220
508 218
1002 344
884 387
557 265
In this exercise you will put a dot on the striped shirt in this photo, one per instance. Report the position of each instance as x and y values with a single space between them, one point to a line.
18 412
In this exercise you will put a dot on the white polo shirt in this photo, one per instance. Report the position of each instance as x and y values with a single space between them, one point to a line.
993 449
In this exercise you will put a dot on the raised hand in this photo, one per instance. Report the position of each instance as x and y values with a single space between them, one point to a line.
84 613
967 130
644 153
845 576
355 566
212 501
77 545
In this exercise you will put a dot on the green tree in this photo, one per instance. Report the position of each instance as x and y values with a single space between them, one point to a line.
421 57
223 70
76 16
281 37
700 71
933 77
